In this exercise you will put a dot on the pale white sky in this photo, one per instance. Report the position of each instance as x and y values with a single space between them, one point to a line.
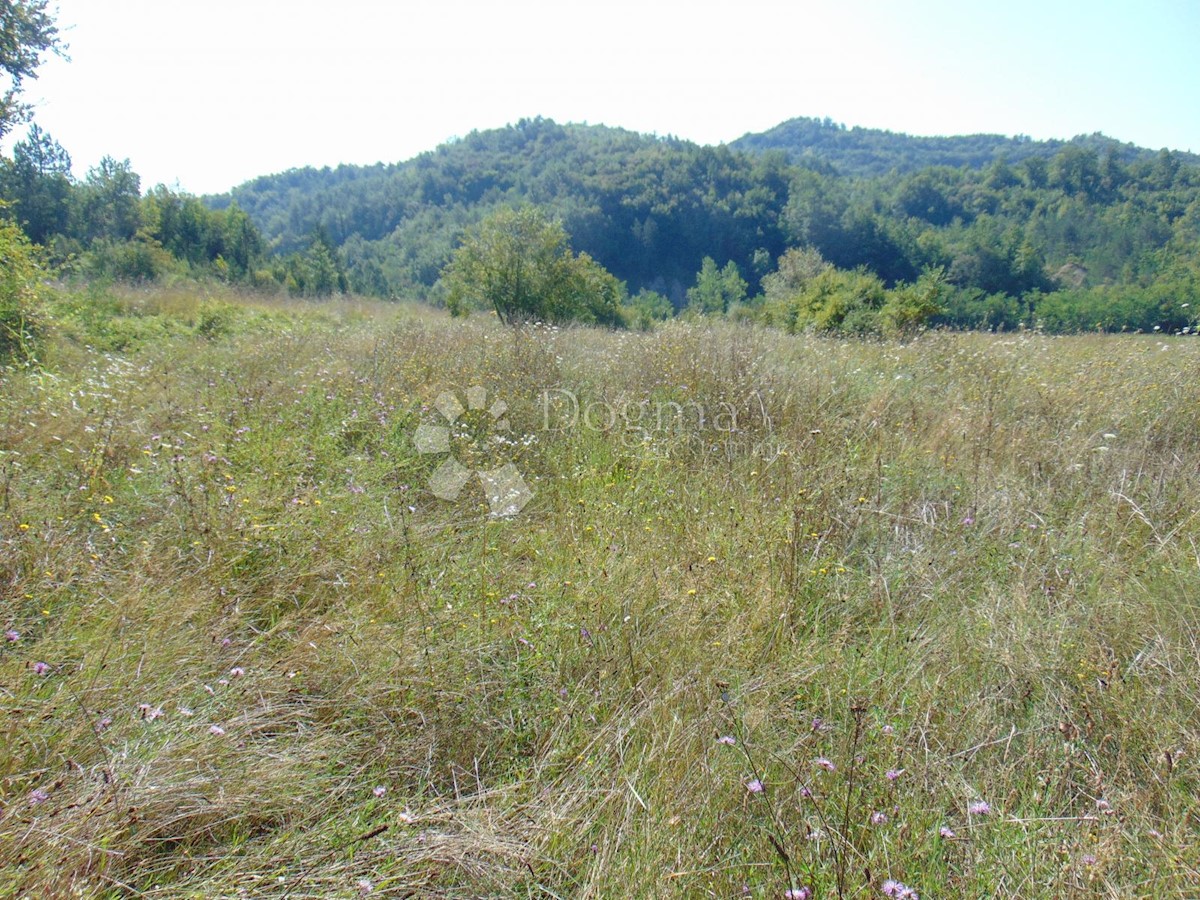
210 94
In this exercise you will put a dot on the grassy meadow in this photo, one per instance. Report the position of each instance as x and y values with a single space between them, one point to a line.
785 616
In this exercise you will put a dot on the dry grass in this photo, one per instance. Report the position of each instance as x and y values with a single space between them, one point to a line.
969 559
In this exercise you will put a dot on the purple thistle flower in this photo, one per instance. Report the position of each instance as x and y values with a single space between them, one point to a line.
237 672
947 833
980 808
893 774
823 763
727 739
216 729
12 636
800 893
37 795
379 790
754 786
888 730
879 818
40 668
1088 859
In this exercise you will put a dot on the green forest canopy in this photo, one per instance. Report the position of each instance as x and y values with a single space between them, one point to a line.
1076 235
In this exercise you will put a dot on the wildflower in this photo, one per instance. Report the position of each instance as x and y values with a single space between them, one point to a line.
727 739
800 893
104 723
40 668
879 818
893 774
1088 859
237 672
37 795
365 886
888 730
406 817
1103 806
216 729
968 520
947 833
12 636
825 764
806 793
754 786
899 890
379 790
980 808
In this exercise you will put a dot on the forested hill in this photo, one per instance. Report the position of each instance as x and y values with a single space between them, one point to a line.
1072 235
650 209
870 151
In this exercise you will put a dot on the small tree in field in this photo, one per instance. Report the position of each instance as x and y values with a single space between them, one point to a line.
520 264
716 290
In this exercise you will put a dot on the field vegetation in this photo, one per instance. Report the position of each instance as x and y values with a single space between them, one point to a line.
787 615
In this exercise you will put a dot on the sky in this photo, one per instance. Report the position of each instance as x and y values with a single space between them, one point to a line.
203 96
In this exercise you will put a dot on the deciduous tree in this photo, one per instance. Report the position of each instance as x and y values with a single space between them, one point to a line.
27 33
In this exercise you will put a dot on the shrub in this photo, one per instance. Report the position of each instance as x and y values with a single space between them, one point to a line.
140 260
22 317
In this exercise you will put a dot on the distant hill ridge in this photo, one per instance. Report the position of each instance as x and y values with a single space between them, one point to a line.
999 216
872 151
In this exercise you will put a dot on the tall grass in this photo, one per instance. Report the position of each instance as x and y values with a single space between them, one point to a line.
857 612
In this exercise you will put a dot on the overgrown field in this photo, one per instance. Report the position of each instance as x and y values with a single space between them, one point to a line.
783 613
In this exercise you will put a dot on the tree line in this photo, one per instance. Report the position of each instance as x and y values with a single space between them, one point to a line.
1073 236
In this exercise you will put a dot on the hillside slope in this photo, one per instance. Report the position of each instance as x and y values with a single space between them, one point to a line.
1008 221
